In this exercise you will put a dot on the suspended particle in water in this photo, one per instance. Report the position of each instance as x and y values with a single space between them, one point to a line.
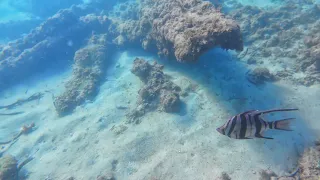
70 43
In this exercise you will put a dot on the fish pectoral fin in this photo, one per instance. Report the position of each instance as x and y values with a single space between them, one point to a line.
259 136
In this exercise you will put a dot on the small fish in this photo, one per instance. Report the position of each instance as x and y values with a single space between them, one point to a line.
250 124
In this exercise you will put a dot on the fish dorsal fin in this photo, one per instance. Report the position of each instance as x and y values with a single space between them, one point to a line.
277 110
246 112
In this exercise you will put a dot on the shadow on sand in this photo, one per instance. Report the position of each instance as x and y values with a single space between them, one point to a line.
223 77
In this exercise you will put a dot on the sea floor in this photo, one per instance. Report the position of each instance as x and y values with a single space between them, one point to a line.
96 140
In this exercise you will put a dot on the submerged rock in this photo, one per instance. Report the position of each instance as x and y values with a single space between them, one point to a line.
309 163
8 168
224 176
88 71
158 91
275 35
267 175
49 45
260 76
184 29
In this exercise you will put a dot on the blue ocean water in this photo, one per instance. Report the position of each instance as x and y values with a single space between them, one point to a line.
128 89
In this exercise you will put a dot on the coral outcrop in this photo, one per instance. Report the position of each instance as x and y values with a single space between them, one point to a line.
52 43
158 91
8 168
184 29
88 71
286 36
259 76
308 166
310 163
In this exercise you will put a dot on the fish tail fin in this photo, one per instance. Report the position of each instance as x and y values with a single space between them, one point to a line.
283 124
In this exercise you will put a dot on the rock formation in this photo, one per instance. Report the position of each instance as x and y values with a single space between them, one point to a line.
286 36
8 168
88 72
158 91
53 42
183 29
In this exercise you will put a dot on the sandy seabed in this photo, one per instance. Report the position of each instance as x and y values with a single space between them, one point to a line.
96 140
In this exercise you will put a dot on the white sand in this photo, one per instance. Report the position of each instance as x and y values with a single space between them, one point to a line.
164 146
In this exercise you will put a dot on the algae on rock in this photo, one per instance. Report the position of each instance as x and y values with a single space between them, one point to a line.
88 71
8 168
158 91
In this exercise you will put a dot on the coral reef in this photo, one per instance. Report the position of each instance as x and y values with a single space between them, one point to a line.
280 37
88 71
267 175
49 45
259 76
198 26
9 167
157 89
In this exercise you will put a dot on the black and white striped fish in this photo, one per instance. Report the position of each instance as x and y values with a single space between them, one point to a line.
250 124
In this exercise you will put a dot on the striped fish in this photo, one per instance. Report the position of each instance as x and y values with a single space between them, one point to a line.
250 124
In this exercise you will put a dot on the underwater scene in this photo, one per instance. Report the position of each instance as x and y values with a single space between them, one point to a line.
159 90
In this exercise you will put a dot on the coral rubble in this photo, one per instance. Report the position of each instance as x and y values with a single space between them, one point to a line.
184 29
88 70
157 89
